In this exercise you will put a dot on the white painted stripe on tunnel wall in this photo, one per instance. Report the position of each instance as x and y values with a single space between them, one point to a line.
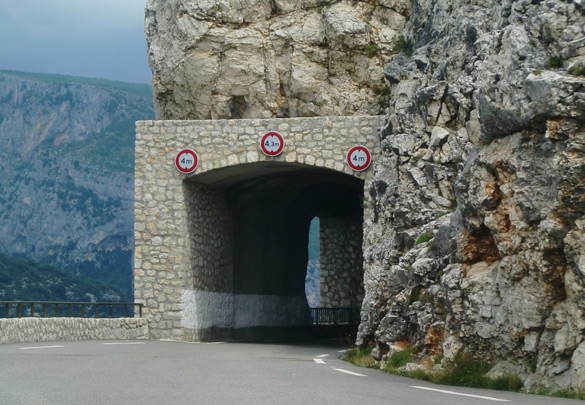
205 309
460 394
270 310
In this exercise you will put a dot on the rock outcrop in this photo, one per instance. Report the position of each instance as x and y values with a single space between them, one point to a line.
478 239
263 58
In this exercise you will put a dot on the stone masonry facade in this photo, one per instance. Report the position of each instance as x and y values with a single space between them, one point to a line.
184 244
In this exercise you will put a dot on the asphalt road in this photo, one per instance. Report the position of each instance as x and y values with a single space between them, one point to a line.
153 372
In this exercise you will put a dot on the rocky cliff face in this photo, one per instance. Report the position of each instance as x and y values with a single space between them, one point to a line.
478 239
477 242
264 58
66 158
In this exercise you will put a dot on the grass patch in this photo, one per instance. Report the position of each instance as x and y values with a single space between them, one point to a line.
360 356
465 371
401 359
425 237
566 393
577 70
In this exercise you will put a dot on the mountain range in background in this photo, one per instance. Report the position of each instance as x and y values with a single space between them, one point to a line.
66 189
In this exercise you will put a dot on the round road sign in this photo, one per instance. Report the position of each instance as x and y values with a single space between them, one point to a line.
186 161
272 143
359 158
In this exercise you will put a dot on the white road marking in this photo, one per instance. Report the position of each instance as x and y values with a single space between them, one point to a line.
460 393
322 355
344 351
349 372
38 347
123 343
194 343
319 361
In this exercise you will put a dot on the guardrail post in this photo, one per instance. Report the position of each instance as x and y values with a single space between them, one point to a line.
19 310
7 310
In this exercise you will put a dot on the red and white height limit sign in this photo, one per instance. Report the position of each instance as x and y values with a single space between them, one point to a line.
359 158
272 143
186 161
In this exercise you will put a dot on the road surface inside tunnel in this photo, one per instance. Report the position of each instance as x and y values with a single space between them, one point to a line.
164 372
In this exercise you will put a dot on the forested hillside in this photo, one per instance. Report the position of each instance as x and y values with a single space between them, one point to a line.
22 279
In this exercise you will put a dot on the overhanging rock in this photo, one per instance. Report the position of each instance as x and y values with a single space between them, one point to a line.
221 252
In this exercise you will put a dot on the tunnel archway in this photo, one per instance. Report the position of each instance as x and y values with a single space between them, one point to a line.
221 252
266 217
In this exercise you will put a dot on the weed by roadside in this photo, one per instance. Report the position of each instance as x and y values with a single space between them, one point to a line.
464 371
360 356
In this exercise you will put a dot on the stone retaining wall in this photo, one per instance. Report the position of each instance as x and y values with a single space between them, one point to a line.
30 330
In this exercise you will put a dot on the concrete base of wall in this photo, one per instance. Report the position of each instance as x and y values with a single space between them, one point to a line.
31 330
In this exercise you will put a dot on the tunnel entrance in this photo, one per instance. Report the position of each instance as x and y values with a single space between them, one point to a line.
261 239
221 252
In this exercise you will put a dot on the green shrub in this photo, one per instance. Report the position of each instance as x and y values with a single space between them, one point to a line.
371 50
555 62
401 44
425 237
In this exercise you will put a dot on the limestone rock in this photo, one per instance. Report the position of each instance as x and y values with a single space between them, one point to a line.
484 151
262 59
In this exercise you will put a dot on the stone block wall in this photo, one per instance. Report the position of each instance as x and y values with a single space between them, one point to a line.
31 330
184 223
341 280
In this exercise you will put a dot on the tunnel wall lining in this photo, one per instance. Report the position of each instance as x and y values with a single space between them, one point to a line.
176 255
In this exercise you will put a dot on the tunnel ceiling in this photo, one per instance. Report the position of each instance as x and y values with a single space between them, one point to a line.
321 192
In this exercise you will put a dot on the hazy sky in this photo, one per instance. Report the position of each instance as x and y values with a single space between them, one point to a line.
93 38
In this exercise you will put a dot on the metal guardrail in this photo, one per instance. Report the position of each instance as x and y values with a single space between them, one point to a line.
51 309
335 316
